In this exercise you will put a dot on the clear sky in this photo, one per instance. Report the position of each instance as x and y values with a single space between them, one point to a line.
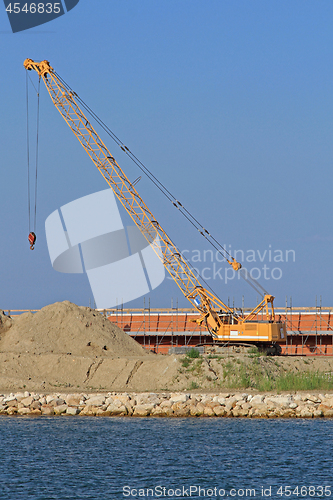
228 103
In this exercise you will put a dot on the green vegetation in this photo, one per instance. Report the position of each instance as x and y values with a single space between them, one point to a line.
305 381
254 350
193 353
190 356
186 362
261 376
253 371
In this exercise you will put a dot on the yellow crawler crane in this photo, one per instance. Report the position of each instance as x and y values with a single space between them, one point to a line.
223 323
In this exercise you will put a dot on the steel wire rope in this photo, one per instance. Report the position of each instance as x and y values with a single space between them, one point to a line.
28 153
164 190
143 168
37 141
252 282
151 177
28 148
32 83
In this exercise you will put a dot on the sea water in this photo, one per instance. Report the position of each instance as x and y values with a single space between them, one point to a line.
118 458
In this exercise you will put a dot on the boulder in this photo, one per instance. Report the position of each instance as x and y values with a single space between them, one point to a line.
239 412
125 399
159 411
116 410
197 410
47 410
73 399
35 405
219 411
147 398
326 410
327 401
59 409
259 411
95 400
312 398
71 410
24 411
257 399
182 412
179 398
142 410
194 411
209 412
11 410
19 396
59 402
304 412
35 412
206 400
279 400
27 401
168 411
285 412
231 403
89 411
12 403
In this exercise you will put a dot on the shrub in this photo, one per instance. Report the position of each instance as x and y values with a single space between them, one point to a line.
193 353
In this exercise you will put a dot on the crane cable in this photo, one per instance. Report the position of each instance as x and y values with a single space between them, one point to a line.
32 227
204 232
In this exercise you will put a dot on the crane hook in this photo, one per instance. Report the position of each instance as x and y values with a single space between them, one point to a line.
32 240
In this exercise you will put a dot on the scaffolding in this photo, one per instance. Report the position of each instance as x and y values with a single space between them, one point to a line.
309 329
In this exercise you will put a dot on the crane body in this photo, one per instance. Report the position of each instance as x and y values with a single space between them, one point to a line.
224 324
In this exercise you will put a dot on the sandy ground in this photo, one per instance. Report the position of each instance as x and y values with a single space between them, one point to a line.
67 346
64 345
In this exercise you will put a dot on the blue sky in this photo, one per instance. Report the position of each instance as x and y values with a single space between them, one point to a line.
228 103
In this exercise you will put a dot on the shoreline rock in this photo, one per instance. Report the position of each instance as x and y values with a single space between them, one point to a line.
178 405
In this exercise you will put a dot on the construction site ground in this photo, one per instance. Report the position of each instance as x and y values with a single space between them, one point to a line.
69 348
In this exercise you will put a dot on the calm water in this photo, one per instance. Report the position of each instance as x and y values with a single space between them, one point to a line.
111 458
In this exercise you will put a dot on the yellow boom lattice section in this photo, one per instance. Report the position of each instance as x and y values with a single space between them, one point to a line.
66 104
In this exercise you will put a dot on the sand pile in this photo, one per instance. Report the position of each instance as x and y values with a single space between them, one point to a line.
65 328
5 322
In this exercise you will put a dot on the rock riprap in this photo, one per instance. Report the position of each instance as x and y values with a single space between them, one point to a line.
168 405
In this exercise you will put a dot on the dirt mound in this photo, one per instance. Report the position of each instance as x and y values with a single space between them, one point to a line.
5 322
65 328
